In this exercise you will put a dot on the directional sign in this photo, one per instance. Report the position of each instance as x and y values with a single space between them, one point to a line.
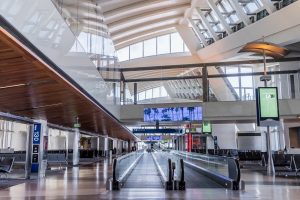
36 133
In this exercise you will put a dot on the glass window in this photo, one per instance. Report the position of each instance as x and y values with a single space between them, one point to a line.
234 81
163 92
246 70
246 81
232 70
136 50
176 43
150 47
123 54
163 44
156 92
141 96
149 94
186 49
251 7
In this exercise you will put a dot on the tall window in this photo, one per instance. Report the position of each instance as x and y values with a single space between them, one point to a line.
165 44
152 93
150 47
242 85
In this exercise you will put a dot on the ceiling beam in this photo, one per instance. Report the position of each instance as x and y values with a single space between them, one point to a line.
200 76
143 25
143 16
212 64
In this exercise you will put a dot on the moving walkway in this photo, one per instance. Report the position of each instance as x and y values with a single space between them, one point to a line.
174 170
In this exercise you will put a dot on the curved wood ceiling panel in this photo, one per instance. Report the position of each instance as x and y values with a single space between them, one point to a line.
31 88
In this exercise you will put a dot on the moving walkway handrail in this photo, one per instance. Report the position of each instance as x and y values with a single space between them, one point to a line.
223 170
120 174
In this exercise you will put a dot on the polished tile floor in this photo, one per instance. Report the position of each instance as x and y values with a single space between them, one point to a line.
88 182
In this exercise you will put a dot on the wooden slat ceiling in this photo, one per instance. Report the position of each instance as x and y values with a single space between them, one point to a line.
30 88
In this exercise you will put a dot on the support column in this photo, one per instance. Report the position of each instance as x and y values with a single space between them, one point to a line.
37 147
205 86
114 85
76 147
106 151
124 93
98 147
135 93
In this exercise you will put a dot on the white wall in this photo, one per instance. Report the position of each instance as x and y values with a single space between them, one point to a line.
18 140
57 143
226 134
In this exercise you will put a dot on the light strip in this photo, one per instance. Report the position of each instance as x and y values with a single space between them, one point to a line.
12 86
49 105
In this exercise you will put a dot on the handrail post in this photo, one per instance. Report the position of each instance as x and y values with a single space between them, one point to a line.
115 182
234 173
169 183
181 185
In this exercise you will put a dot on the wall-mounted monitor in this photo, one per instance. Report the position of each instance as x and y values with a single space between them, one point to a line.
173 114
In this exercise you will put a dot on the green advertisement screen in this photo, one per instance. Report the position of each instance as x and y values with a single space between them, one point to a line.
268 103
206 127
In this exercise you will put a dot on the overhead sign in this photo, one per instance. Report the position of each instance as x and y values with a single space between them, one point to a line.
154 137
173 114
165 130
267 106
36 133
206 127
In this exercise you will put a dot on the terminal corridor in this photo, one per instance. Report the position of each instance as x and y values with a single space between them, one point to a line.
150 99
88 182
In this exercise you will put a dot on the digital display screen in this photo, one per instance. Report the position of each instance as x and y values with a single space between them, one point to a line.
173 114
206 127
268 103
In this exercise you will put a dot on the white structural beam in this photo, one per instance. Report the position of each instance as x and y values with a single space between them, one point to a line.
239 10
269 6
207 24
275 29
198 32
213 6
189 37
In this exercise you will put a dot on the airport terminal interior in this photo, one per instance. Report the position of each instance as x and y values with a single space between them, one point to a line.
150 99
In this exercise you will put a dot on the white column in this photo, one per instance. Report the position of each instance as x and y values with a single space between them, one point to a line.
76 147
106 146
